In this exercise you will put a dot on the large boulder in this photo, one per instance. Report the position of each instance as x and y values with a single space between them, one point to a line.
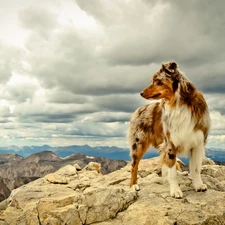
73 196
67 197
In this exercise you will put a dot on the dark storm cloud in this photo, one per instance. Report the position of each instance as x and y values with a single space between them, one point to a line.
104 108
208 77
197 37
51 118
65 97
216 102
196 40
94 134
112 118
73 64
215 86
120 103
55 113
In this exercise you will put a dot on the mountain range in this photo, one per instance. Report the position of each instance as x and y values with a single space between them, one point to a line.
20 165
16 170
111 152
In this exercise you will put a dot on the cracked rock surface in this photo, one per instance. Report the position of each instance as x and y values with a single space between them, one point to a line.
76 197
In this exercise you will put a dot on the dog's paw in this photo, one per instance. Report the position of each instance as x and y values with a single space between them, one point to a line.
201 188
184 173
176 193
135 187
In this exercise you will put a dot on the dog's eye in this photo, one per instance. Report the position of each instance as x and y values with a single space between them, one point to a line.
159 83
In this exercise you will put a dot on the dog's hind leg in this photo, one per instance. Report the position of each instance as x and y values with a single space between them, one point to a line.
196 158
137 151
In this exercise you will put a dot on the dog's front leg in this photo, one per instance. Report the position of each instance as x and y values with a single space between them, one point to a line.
169 168
175 190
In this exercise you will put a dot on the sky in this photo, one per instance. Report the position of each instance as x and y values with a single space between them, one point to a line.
71 70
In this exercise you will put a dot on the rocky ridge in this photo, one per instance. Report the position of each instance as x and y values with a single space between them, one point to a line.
84 196
16 170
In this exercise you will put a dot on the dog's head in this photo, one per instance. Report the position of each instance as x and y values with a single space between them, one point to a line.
164 83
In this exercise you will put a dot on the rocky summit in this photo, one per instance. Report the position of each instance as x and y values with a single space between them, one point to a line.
16 171
75 196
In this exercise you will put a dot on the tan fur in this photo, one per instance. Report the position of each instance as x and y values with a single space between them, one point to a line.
149 128
178 167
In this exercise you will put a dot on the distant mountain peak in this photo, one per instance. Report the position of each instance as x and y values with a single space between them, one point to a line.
45 156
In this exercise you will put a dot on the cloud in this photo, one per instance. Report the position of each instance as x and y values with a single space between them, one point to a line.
78 75
120 103
106 117
72 63
5 116
65 97
10 60
218 124
38 18
216 102
19 88
158 36
195 42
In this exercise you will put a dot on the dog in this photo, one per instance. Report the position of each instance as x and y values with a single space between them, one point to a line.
177 124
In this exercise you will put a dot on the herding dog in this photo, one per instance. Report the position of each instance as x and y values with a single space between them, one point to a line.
178 124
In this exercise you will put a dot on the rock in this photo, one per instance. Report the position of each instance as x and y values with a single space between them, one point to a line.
89 197
67 171
155 206
147 166
66 195
207 161
16 171
77 167
93 166
56 178
3 205
3 223
216 172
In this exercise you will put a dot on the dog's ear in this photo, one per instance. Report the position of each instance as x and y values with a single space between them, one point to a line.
173 66
186 89
190 87
175 84
163 67
170 67
176 81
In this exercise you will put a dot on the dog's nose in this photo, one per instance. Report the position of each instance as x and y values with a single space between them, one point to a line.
171 156
141 94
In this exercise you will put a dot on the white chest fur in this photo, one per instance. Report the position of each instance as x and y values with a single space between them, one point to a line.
179 122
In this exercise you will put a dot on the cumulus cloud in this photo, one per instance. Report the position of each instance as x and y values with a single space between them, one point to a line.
78 75
38 18
10 60
216 102
195 41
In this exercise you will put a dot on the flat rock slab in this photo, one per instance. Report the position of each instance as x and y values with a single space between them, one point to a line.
89 197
